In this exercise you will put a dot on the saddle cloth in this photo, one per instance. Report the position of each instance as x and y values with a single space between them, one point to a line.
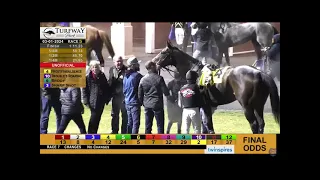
211 77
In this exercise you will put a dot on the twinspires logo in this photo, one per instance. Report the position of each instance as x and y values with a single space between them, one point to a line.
220 149
63 33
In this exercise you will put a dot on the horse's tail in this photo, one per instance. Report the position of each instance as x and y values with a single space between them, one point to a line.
105 38
275 31
274 96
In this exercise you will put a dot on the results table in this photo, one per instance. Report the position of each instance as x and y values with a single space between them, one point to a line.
63 57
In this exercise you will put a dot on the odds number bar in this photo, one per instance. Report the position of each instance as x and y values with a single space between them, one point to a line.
159 143
63 57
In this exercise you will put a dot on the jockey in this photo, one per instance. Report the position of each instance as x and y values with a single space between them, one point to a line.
190 100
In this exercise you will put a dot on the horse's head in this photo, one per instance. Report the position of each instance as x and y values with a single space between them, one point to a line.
173 56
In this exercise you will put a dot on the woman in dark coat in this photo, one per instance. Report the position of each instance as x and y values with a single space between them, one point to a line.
96 94
71 108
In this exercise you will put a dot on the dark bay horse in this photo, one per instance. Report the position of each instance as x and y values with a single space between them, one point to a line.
233 34
246 84
94 41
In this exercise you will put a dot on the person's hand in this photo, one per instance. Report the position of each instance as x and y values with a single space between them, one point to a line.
170 99
48 97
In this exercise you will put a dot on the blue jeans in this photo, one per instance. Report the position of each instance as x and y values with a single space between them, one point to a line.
159 115
133 119
207 124
46 109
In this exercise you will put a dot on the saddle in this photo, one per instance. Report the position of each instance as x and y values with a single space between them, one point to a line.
211 75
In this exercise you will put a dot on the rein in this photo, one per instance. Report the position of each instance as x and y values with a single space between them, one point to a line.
168 55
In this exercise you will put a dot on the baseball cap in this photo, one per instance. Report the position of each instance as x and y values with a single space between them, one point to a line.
132 61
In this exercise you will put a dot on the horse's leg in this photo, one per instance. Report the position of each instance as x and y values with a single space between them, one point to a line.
99 56
169 127
219 58
179 127
226 55
89 50
259 115
187 35
257 48
249 113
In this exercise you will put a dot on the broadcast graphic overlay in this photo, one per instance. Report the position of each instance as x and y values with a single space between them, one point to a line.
63 57
158 144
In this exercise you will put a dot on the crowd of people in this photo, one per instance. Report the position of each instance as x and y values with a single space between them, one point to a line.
127 90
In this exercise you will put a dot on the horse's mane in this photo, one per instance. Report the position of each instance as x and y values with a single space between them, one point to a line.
185 55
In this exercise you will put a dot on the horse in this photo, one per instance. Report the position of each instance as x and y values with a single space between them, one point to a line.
231 34
94 41
246 84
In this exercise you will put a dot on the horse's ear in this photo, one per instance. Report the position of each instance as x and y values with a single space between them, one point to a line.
169 44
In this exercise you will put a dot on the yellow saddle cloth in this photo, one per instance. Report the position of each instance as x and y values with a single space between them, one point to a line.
209 77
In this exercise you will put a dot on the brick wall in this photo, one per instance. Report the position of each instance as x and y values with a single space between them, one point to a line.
161 34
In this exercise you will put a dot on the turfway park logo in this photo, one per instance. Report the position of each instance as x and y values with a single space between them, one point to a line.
62 33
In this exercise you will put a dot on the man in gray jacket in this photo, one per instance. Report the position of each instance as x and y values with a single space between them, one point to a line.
71 108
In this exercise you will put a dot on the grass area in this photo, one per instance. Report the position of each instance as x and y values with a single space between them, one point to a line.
225 122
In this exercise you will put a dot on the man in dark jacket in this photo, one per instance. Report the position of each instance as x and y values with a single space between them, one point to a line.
190 100
204 41
151 90
72 108
96 95
130 90
274 57
173 110
50 98
116 75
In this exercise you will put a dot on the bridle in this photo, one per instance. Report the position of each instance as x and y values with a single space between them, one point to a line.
168 54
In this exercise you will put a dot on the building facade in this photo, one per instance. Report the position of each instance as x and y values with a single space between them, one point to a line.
154 36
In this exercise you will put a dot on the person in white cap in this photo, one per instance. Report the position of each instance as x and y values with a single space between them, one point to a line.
130 90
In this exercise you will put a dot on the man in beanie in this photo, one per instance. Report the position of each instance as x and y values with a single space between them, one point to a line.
130 90
190 100
151 90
